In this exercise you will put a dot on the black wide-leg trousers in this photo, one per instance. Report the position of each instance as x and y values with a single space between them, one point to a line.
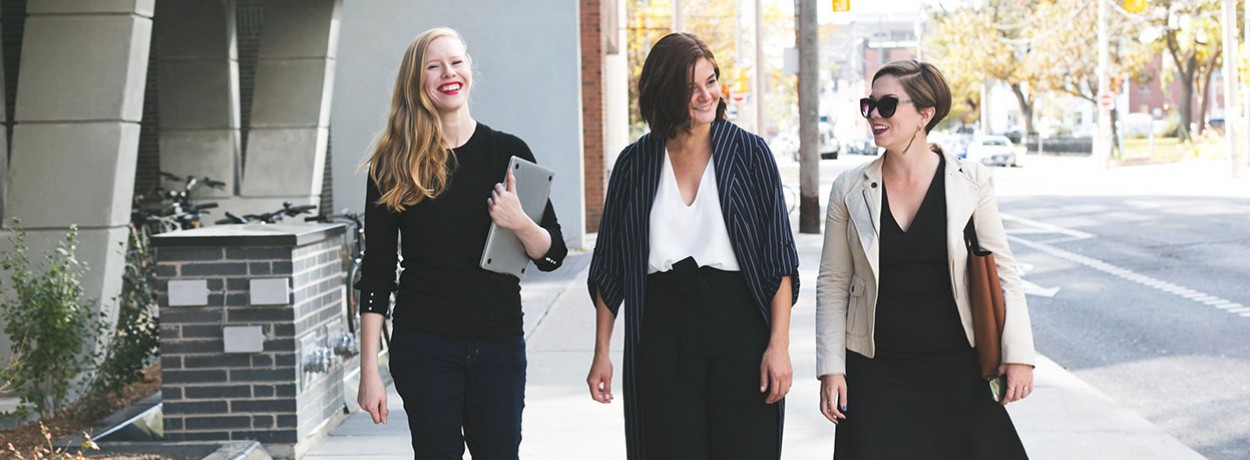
698 369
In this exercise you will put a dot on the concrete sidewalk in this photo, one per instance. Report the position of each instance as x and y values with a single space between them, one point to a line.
1063 419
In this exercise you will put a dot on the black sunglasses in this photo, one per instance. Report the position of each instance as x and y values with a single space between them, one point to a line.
886 106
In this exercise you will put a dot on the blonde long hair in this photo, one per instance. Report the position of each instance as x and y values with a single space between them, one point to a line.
410 160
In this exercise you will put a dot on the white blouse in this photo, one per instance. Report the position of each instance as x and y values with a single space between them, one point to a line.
679 231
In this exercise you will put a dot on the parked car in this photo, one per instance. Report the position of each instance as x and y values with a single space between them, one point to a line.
993 150
785 145
829 145
861 147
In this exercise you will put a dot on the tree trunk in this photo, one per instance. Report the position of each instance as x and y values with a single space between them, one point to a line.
1187 98
1026 108
809 103
1115 136
1205 105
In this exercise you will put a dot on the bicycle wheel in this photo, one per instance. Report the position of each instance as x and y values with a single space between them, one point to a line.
792 198
353 299
386 335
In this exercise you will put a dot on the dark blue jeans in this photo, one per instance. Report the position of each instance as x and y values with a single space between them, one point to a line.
461 391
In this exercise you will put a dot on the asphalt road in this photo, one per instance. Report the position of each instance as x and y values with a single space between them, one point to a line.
1139 283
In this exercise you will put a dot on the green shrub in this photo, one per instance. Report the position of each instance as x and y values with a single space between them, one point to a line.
136 338
51 325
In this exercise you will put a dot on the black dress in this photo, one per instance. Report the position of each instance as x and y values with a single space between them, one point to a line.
921 397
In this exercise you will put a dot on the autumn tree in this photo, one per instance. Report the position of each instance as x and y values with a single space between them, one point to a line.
956 54
1065 54
977 44
716 22
1191 38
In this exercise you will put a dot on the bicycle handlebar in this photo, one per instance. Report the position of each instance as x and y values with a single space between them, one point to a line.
297 210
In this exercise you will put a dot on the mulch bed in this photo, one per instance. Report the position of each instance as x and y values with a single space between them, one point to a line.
75 420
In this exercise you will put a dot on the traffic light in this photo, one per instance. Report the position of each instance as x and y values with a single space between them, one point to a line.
1135 6
1116 84
841 6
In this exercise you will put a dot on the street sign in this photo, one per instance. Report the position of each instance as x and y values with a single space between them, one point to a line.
790 61
1106 100
841 5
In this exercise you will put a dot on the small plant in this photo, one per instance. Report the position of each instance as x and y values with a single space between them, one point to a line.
136 339
51 325
49 451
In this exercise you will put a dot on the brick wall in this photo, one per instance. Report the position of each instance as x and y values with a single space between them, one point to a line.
268 396
593 137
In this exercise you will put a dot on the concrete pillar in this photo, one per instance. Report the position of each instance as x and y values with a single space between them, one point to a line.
5 343
4 146
79 103
286 145
198 86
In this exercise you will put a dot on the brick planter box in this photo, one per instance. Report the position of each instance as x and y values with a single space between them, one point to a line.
249 317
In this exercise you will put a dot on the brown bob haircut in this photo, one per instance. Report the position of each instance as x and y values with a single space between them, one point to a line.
664 86
925 85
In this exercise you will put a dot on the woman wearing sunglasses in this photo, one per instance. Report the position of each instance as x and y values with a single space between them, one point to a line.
894 340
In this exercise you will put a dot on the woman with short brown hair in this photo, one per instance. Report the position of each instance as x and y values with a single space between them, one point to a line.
695 241
894 336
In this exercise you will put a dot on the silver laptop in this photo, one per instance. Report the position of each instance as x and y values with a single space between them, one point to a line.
504 252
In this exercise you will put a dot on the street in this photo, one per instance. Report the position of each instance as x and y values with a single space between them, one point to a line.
1137 282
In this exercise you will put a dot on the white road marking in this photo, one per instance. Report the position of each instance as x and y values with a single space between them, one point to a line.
1129 275
1032 288
1142 204
1042 227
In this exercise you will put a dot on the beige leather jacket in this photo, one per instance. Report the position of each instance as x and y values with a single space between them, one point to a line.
846 289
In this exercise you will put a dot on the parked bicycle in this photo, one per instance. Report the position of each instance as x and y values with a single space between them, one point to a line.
273 217
355 252
792 197
163 210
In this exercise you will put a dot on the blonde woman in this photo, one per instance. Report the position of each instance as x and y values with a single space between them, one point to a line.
457 354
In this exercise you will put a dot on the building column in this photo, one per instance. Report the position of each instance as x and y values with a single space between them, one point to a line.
593 47
79 103
4 148
198 87
286 142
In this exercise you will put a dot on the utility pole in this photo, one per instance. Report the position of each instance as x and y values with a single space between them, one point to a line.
809 150
676 15
757 83
1229 24
1102 138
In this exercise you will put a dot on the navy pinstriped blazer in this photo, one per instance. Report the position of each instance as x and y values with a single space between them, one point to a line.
754 209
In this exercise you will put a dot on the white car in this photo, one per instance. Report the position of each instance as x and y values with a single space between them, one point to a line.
785 145
993 150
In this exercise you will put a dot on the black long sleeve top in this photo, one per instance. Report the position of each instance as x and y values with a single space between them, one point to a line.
442 289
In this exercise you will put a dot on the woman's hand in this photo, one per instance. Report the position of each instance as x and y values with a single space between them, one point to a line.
1019 381
600 379
776 374
372 396
505 207
833 397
